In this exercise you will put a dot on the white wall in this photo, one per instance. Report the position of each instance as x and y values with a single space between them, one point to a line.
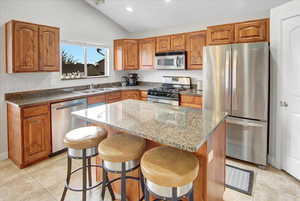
151 75
77 20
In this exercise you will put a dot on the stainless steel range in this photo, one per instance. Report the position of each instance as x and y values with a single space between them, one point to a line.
168 93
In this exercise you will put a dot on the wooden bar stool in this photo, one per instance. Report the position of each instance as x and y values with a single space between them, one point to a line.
82 143
120 154
169 173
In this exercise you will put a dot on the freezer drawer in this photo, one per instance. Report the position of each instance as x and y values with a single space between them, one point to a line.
247 140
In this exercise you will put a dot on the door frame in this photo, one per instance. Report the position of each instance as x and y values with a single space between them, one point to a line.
277 113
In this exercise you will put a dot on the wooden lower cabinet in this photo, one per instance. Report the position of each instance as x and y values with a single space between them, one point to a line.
113 97
29 134
191 101
144 95
37 138
134 94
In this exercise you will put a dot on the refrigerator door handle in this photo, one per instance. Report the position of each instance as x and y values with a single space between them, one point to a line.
234 78
227 81
244 123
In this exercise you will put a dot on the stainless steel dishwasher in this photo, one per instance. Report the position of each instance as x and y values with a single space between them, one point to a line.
63 121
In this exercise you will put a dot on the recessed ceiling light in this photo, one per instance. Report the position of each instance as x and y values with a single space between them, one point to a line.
168 1
129 9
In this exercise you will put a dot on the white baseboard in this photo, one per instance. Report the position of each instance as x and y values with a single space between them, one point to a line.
3 156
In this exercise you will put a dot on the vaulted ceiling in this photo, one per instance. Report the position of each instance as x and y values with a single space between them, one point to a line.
147 15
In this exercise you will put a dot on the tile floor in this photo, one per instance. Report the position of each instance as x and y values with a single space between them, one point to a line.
45 180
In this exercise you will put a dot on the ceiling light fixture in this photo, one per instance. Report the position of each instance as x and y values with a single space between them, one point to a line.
129 9
168 1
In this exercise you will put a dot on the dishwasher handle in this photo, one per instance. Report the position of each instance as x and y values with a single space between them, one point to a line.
69 106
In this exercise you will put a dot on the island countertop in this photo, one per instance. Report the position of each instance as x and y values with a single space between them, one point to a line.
184 128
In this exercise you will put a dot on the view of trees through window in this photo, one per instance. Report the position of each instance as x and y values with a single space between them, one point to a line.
83 61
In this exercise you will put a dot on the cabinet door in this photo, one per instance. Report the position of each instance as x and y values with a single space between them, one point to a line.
147 53
178 42
130 54
195 42
118 55
221 34
37 142
252 31
163 44
25 48
48 48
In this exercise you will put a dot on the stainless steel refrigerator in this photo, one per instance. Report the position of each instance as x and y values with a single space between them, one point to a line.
236 80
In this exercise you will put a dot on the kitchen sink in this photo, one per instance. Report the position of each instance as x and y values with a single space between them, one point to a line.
87 91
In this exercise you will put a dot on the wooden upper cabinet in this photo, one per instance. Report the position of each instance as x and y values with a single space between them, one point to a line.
178 42
126 54
21 47
48 48
31 47
163 44
147 53
131 55
118 55
220 34
195 41
252 31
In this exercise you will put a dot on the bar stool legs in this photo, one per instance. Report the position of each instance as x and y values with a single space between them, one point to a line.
68 178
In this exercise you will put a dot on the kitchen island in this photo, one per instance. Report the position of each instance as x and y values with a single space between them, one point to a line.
201 132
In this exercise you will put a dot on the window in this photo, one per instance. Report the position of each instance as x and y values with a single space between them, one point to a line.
79 60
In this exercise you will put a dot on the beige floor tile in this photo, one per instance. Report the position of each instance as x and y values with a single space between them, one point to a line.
231 195
8 171
278 180
267 193
24 188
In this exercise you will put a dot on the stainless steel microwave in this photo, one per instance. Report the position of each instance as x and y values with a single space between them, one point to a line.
170 60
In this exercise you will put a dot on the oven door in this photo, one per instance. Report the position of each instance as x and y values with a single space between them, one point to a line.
163 100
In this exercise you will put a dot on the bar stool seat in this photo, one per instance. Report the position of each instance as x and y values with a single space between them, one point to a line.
165 168
121 154
85 137
121 148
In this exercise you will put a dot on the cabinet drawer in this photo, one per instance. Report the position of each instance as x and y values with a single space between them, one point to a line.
36 110
191 101
130 95
113 95
96 99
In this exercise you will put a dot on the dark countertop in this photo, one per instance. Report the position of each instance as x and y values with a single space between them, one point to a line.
184 128
56 95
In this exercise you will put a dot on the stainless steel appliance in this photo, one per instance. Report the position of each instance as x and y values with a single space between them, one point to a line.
170 60
132 79
236 80
63 121
168 93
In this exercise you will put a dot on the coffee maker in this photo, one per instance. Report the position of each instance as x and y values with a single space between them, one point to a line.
132 79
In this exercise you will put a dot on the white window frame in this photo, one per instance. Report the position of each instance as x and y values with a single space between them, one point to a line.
84 45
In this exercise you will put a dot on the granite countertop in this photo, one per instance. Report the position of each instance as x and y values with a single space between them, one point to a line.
180 127
64 94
